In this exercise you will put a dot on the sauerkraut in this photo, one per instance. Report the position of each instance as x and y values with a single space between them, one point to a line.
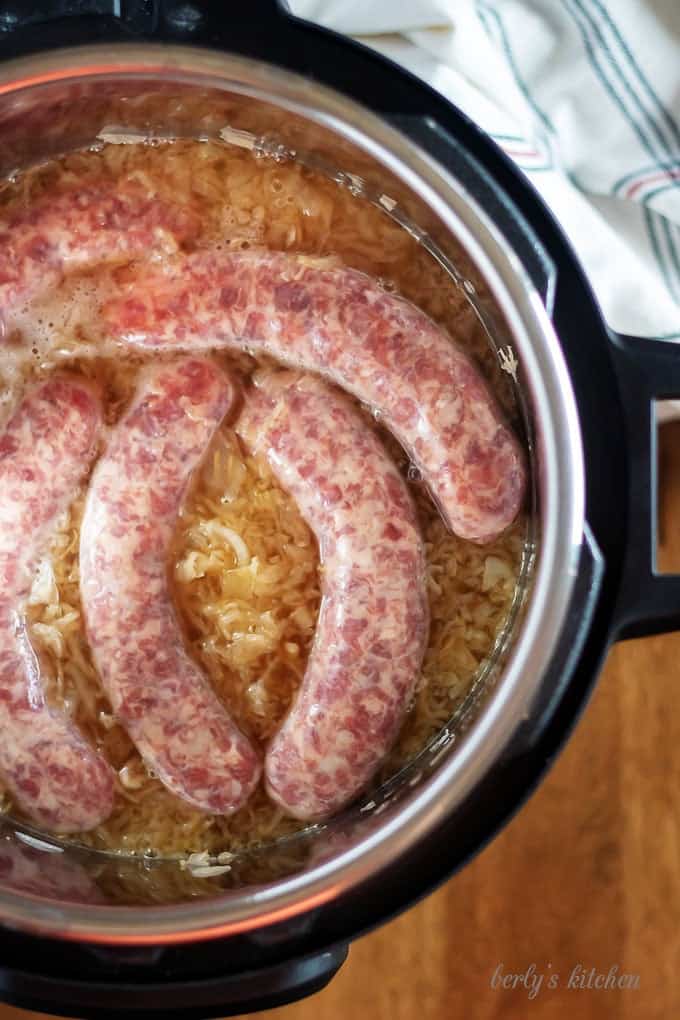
244 566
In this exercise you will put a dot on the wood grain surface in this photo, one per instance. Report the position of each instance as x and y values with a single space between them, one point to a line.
588 873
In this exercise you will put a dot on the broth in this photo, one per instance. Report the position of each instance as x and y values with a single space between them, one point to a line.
244 564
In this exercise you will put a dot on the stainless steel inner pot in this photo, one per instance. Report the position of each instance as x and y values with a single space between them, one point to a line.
63 101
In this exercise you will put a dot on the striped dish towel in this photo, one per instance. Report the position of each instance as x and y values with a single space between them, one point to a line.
584 95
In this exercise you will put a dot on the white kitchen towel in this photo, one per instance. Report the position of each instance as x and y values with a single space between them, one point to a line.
584 95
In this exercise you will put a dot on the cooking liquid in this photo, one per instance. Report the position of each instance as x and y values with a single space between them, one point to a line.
244 566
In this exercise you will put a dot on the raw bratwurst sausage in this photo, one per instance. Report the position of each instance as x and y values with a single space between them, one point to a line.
56 777
341 324
77 228
158 693
372 629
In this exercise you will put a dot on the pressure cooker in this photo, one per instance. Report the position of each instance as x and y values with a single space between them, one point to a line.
278 927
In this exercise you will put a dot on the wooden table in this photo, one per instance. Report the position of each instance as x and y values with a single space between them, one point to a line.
588 873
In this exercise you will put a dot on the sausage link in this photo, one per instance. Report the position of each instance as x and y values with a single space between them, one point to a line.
373 622
56 777
156 690
341 324
77 228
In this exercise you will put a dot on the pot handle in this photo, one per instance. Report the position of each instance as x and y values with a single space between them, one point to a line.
145 18
122 994
647 370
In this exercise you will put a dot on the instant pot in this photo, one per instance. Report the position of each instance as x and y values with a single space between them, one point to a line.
92 935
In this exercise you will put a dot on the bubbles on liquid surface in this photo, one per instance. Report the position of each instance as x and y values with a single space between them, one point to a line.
389 286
